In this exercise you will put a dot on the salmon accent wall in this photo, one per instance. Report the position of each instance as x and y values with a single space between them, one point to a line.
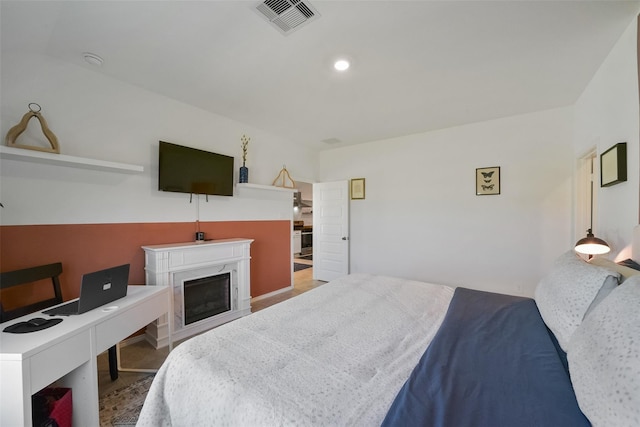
83 248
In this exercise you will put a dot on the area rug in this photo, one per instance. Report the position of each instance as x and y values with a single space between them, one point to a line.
298 267
122 407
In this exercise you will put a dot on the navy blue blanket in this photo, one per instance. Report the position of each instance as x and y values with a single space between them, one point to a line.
492 363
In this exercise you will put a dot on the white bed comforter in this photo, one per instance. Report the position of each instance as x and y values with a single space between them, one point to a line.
334 356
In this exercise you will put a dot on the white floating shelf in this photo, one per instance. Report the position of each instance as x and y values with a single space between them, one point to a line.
266 187
12 153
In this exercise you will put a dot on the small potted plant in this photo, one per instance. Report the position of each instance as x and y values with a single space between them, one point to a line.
244 170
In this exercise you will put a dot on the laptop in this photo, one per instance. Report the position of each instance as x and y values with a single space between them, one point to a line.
97 289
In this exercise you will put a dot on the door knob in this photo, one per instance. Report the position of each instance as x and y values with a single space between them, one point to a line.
345 238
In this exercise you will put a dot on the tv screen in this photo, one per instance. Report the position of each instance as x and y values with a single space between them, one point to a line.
189 170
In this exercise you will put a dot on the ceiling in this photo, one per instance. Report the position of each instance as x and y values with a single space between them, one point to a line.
416 65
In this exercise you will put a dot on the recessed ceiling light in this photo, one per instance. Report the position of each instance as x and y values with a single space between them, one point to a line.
341 65
92 58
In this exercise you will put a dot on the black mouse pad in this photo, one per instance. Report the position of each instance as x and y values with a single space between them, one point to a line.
26 327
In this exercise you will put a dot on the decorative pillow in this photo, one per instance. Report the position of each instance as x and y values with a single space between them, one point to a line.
565 294
604 359
624 270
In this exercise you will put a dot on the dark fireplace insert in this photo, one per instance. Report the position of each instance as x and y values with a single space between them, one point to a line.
206 297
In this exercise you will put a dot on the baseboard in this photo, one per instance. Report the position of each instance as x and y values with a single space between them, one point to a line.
270 294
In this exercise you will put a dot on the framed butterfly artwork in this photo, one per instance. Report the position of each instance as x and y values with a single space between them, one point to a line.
488 181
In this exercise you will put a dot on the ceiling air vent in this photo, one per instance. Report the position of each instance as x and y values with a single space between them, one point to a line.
288 15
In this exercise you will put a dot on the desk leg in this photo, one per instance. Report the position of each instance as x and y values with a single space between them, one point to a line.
113 363
83 382
116 348
15 394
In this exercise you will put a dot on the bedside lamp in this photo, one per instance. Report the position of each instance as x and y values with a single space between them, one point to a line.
591 245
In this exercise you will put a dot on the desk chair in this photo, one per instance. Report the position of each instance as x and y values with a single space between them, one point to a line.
35 274
29 275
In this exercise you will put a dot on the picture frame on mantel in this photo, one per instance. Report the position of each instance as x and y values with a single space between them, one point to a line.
488 181
613 165
357 189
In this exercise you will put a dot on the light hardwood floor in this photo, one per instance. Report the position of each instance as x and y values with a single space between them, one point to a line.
142 355
302 282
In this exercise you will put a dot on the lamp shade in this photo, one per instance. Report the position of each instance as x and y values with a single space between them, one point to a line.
591 245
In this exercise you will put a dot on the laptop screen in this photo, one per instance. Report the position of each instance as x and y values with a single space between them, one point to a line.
102 287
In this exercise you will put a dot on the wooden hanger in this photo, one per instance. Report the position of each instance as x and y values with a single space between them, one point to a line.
284 174
17 130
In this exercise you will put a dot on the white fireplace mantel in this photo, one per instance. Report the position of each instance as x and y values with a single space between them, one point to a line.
172 264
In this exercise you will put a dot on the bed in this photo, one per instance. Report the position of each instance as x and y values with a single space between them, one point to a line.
372 350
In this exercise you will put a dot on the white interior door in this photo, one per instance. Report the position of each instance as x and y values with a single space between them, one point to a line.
586 194
330 230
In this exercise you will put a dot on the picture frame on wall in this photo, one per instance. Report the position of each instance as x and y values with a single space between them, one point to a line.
488 181
357 188
613 165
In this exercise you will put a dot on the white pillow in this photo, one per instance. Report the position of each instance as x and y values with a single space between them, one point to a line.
565 294
604 359
625 272
610 283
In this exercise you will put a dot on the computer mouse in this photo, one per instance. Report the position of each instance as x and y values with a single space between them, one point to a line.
37 321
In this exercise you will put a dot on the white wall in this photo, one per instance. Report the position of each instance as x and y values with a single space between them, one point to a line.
608 113
421 218
94 116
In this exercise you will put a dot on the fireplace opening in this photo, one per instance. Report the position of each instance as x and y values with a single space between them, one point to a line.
206 297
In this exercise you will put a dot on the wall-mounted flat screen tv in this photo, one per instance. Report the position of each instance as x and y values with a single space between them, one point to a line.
189 170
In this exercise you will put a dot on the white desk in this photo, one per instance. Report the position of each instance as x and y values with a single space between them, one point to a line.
67 353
